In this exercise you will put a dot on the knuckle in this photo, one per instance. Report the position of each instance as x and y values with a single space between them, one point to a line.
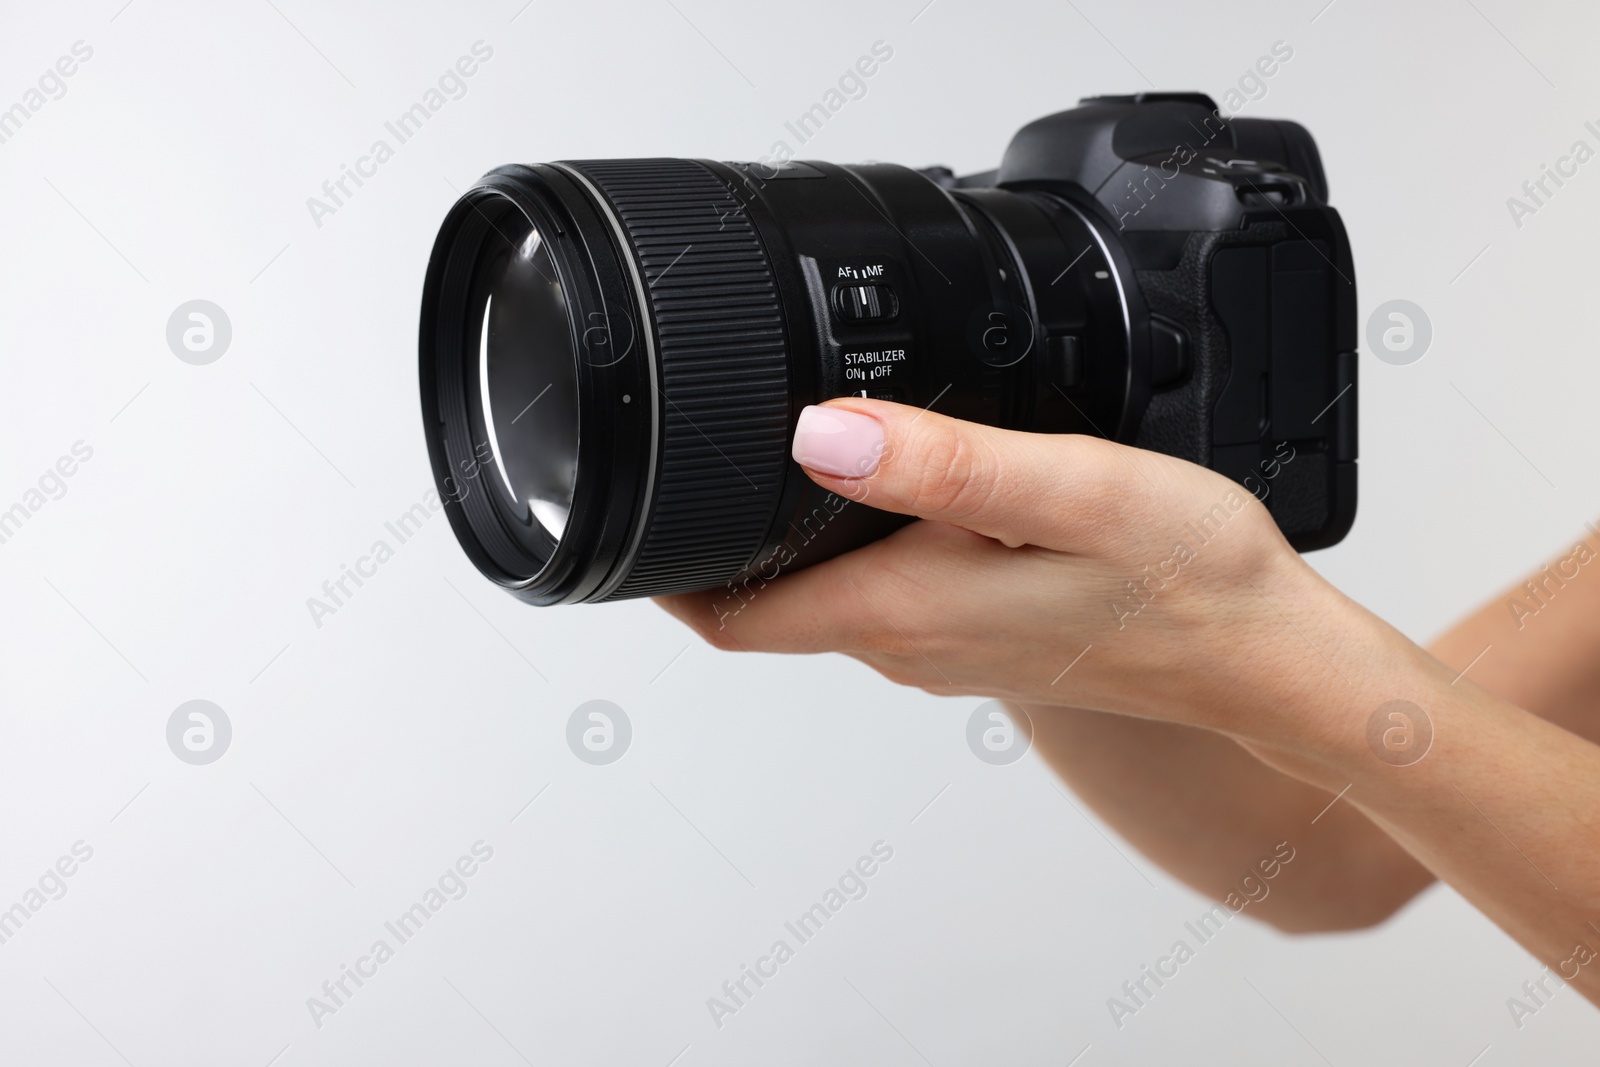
955 474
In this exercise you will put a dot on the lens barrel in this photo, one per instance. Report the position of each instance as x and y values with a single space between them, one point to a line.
701 306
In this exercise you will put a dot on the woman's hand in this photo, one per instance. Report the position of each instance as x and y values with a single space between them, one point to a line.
1066 570
1050 569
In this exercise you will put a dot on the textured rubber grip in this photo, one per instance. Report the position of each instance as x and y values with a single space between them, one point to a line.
718 330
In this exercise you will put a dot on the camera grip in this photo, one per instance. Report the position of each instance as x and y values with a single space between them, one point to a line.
1268 313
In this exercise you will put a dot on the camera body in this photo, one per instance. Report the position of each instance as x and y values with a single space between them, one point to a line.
1246 277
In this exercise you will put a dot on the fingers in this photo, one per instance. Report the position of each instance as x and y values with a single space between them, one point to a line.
815 610
817 613
1056 491
855 603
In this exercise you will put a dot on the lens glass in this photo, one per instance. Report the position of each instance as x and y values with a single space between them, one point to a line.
527 377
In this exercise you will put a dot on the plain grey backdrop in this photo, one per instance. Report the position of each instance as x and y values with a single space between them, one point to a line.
370 752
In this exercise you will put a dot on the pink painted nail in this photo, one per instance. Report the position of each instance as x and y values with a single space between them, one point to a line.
837 442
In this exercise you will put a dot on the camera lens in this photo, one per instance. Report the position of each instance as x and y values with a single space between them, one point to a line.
614 354
528 380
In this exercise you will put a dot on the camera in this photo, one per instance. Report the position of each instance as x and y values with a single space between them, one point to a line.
613 353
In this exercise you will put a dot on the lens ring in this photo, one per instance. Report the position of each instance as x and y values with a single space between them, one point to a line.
607 493
721 349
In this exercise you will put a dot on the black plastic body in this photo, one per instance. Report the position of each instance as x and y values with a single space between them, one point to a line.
1233 247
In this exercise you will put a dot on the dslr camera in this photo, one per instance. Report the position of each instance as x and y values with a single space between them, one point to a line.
614 352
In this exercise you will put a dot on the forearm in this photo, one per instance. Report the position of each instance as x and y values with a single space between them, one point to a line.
1201 806
1537 644
1209 812
1507 815
1500 804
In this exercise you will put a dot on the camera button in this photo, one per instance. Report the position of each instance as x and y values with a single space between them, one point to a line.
1064 361
1169 354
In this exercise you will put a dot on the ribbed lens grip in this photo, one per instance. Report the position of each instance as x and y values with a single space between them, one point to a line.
718 327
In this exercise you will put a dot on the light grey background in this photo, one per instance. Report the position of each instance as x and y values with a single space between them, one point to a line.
368 754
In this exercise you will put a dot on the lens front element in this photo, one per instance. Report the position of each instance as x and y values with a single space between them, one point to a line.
527 380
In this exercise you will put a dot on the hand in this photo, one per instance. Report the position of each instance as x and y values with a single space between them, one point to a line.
1051 569
1193 609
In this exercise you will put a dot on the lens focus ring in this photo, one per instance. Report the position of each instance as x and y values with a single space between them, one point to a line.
718 327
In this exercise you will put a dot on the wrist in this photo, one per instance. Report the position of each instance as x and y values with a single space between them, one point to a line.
1337 691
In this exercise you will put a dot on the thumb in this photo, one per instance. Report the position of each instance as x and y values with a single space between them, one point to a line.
1061 491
